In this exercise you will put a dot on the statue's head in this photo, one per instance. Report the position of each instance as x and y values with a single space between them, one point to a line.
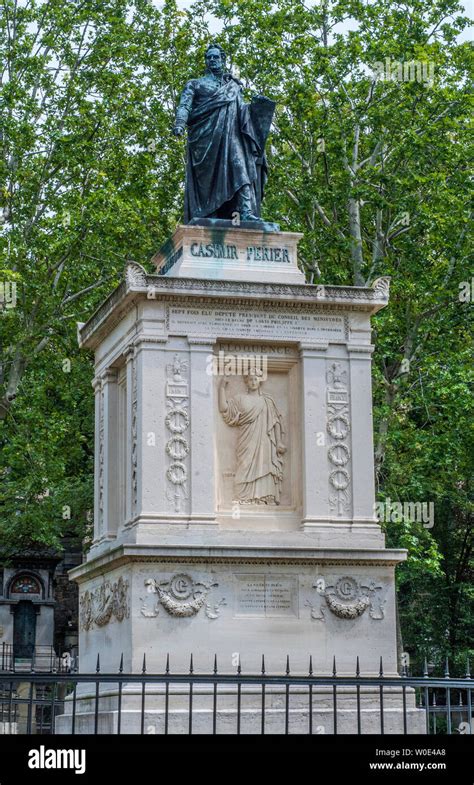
215 58
254 379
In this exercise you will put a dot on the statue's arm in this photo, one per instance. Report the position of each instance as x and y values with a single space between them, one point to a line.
184 108
223 405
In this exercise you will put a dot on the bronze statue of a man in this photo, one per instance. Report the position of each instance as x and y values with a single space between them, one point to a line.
226 165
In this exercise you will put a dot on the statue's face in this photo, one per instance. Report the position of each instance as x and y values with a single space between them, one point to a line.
214 60
253 382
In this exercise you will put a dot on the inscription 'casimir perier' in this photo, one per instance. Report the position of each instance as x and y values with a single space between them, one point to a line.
255 253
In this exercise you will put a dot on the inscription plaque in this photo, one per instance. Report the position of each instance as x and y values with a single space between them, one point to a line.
266 595
230 322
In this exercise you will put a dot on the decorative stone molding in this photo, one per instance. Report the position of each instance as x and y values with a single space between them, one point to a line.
381 287
364 348
348 598
135 275
309 347
129 352
261 289
181 596
99 606
228 292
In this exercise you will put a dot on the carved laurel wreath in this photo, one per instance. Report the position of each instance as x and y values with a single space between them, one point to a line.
332 429
176 473
177 427
339 479
339 460
177 447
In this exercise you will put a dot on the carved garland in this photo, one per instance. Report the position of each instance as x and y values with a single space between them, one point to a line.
348 599
181 596
177 423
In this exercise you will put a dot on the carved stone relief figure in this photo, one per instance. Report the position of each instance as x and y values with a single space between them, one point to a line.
259 463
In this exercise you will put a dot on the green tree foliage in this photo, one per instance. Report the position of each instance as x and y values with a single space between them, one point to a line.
373 170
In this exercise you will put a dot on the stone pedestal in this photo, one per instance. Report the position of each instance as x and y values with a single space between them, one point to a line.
224 252
181 562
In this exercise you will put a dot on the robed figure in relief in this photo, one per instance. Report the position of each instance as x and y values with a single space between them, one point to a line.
259 464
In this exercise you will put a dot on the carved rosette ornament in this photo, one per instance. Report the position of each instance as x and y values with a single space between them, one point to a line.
108 601
177 423
338 427
181 596
348 598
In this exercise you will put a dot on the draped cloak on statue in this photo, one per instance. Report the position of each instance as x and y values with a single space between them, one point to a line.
225 150
259 470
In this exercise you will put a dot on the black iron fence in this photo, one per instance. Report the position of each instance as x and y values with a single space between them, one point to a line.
236 703
42 658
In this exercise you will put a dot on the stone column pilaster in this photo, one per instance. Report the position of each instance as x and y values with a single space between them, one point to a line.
313 407
110 472
363 482
202 417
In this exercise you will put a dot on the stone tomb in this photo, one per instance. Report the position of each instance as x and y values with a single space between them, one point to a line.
234 505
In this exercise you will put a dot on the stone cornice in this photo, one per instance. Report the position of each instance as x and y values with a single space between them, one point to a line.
137 286
236 554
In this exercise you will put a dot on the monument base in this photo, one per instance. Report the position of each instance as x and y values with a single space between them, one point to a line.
230 711
241 602
185 561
